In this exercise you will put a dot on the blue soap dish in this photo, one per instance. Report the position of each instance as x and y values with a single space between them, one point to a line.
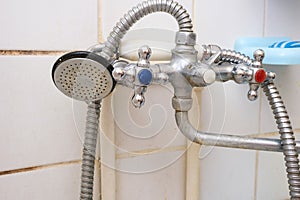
278 50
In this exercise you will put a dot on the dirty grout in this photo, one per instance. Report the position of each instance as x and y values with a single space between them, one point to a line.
38 167
146 152
30 52
271 134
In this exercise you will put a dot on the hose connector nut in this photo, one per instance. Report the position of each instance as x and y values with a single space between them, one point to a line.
180 104
185 38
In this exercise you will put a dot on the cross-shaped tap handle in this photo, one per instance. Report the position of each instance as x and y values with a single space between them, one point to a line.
259 74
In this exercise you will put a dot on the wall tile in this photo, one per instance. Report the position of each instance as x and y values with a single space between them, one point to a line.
222 22
227 174
48 24
38 124
282 18
47 184
166 182
271 177
151 127
226 109
287 82
61 182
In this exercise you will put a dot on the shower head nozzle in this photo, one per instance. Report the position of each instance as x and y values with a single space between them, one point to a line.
83 75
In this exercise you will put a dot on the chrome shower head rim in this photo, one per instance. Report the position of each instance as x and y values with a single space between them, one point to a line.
83 76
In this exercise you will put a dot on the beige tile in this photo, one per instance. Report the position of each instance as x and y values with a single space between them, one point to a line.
51 183
227 174
282 18
38 124
223 21
48 25
150 177
226 109
151 127
47 182
288 86
271 177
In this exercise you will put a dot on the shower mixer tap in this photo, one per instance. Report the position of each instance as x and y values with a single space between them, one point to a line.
139 76
241 70
92 75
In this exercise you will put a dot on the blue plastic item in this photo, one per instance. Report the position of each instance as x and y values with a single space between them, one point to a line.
145 76
278 50
286 44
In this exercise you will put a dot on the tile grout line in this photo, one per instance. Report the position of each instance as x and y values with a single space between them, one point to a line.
39 167
31 52
256 174
257 152
264 18
146 152
270 134
193 11
100 33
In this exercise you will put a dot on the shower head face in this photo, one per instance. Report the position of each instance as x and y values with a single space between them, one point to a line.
83 76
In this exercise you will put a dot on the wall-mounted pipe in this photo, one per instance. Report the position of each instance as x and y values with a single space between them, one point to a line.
224 140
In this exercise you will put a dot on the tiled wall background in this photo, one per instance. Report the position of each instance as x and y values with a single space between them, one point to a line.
41 129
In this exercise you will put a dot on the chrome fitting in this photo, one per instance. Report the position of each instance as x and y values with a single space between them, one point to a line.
144 53
211 54
180 104
271 76
185 38
258 55
138 98
199 75
242 73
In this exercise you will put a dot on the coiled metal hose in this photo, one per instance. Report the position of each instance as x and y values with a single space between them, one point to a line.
89 151
176 10
287 138
235 57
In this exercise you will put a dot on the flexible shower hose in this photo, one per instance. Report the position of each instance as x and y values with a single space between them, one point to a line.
287 138
136 13
89 151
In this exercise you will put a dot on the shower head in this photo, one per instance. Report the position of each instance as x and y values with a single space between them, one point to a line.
83 75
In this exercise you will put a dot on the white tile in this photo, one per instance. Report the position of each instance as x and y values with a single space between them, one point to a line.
271 177
48 24
288 85
47 184
61 182
282 18
227 174
148 162
151 127
166 182
38 124
154 20
223 21
226 109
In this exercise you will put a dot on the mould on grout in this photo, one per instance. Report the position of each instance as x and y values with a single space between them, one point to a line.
30 52
39 167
